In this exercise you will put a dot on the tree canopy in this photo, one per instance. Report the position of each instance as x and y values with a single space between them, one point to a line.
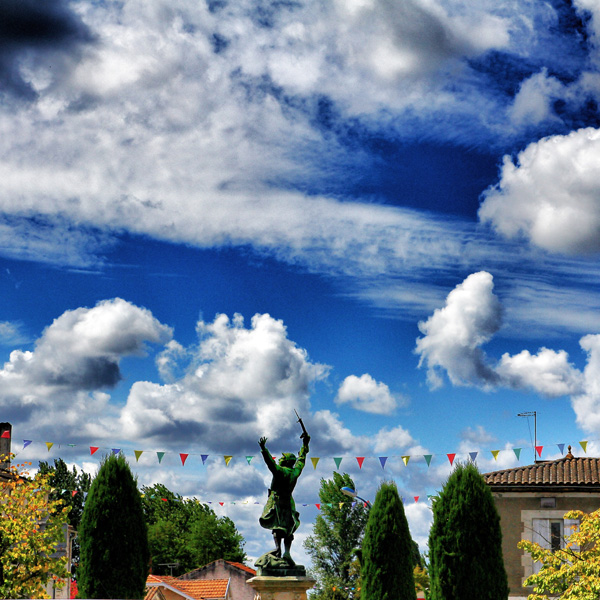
387 561
572 572
113 535
186 533
337 534
32 525
465 540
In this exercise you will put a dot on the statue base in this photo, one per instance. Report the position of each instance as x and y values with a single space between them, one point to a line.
280 588
269 565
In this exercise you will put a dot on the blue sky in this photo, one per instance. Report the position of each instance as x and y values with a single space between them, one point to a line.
385 215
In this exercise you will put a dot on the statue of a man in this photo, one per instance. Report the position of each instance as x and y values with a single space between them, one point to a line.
280 514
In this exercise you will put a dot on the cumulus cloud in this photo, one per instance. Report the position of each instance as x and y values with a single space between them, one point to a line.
74 360
453 335
551 195
398 437
587 404
366 394
241 383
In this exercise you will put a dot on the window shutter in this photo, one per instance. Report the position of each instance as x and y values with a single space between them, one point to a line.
569 524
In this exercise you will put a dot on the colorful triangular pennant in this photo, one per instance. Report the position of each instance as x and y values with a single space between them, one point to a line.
160 456
315 461
416 498
116 450
428 458
5 434
405 460
517 452
227 458
383 460
360 460
249 459
584 446
451 457
473 456
137 453
495 454
561 447
183 458
94 449
539 449
26 443
49 445
203 457
338 461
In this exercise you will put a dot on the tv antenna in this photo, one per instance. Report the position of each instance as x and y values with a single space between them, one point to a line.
531 413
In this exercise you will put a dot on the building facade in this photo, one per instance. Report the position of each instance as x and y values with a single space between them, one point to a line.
532 501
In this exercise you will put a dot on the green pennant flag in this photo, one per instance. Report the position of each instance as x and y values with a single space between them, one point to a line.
160 456
315 461
338 462
249 459
517 452
428 458
137 453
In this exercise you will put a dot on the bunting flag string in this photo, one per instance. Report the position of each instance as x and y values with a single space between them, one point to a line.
384 461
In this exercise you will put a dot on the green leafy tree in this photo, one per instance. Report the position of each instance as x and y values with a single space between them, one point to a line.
387 556
187 533
572 572
69 487
113 535
465 540
31 526
337 534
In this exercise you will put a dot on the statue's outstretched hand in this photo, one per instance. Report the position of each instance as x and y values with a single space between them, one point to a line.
262 443
305 438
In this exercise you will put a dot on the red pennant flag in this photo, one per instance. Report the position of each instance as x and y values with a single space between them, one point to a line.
451 457
361 460
221 503
539 449
93 449
416 498
164 499
318 506
6 434
73 493
183 458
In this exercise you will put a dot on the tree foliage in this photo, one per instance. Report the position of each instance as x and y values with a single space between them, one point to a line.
31 526
70 488
465 540
337 534
186 533
387 562
573 572
113 535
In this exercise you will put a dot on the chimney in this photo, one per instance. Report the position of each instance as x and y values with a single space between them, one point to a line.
5 437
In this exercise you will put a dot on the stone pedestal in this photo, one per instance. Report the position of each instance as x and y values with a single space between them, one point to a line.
280 588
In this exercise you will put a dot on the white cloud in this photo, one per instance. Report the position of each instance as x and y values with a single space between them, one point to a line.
551 195
366 394
547 372
385 439
453 335
587 404
533 102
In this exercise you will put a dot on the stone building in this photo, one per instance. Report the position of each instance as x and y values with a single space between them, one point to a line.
532 501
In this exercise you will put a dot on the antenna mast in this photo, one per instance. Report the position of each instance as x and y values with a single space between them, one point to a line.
532 413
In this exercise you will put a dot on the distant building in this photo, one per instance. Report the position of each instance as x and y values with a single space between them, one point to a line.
219 580
532 501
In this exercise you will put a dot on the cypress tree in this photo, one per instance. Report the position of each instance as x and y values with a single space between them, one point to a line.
465 541
387 564
113 535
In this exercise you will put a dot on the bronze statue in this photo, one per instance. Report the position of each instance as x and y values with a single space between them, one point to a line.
280 514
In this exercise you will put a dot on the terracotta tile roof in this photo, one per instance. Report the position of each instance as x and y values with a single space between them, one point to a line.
580 472
241 566
201 589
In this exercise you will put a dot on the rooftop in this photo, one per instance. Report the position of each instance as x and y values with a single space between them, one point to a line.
569 471
200 589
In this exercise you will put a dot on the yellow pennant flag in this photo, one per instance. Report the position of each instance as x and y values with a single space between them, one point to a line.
49 445
405 459
342 504
227 459
495 454
137 453
315 461
584 446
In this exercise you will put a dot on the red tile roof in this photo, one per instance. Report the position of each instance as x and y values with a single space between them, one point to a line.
241 566
201 589
573 472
